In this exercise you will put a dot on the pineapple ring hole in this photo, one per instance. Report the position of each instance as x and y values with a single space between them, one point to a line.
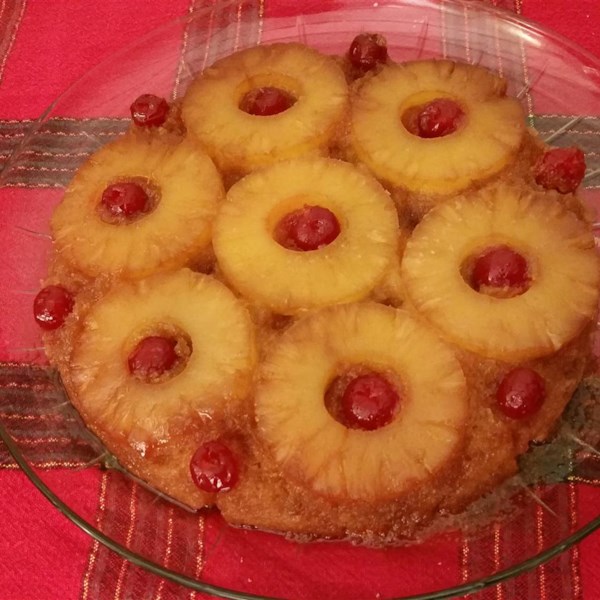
183 349
383 413
497 270
150 188
413 107
272 93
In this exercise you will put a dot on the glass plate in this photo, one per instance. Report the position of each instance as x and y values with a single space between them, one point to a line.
202 552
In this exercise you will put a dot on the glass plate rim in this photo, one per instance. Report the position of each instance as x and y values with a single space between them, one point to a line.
221 592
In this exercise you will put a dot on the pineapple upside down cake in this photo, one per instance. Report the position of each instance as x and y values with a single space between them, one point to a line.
331 296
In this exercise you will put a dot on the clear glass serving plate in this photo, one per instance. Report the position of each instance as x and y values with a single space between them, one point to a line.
559 86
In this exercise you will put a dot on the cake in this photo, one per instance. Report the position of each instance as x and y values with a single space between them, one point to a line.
334 297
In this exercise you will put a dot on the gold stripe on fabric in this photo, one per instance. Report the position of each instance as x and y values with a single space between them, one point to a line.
499 590
539 536
211 23
168 549
184 41
96 545
238 26
261 15
48 464
467 36
464 561
574 553
199 553
132 519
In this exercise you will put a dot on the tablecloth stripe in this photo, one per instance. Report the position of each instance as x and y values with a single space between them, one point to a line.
51 160
557 579
588 470
189 40
55 150
33 409
237 25
127 514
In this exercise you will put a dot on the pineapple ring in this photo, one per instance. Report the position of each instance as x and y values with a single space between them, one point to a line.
174 233
237 140
313 448
217 375
560 301
289 281
487 141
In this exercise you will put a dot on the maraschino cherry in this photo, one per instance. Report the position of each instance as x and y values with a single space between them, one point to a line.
214 467
149 110
266 101
153 357
308 228
436 119
368 50
51 306
521 393
124 201
500 267
369 402
560 169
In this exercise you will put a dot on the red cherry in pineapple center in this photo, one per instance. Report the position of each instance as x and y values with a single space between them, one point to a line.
308 228
369 402
153 357
149 110
368 50
214 467
124 201
436 119
500 267
266 101
521 393
51 306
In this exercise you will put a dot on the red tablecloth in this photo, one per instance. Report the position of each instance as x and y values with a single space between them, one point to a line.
44 46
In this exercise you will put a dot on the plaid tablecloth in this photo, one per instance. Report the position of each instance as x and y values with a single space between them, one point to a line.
45 46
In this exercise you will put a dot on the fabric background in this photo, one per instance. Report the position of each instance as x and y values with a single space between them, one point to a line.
44 47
